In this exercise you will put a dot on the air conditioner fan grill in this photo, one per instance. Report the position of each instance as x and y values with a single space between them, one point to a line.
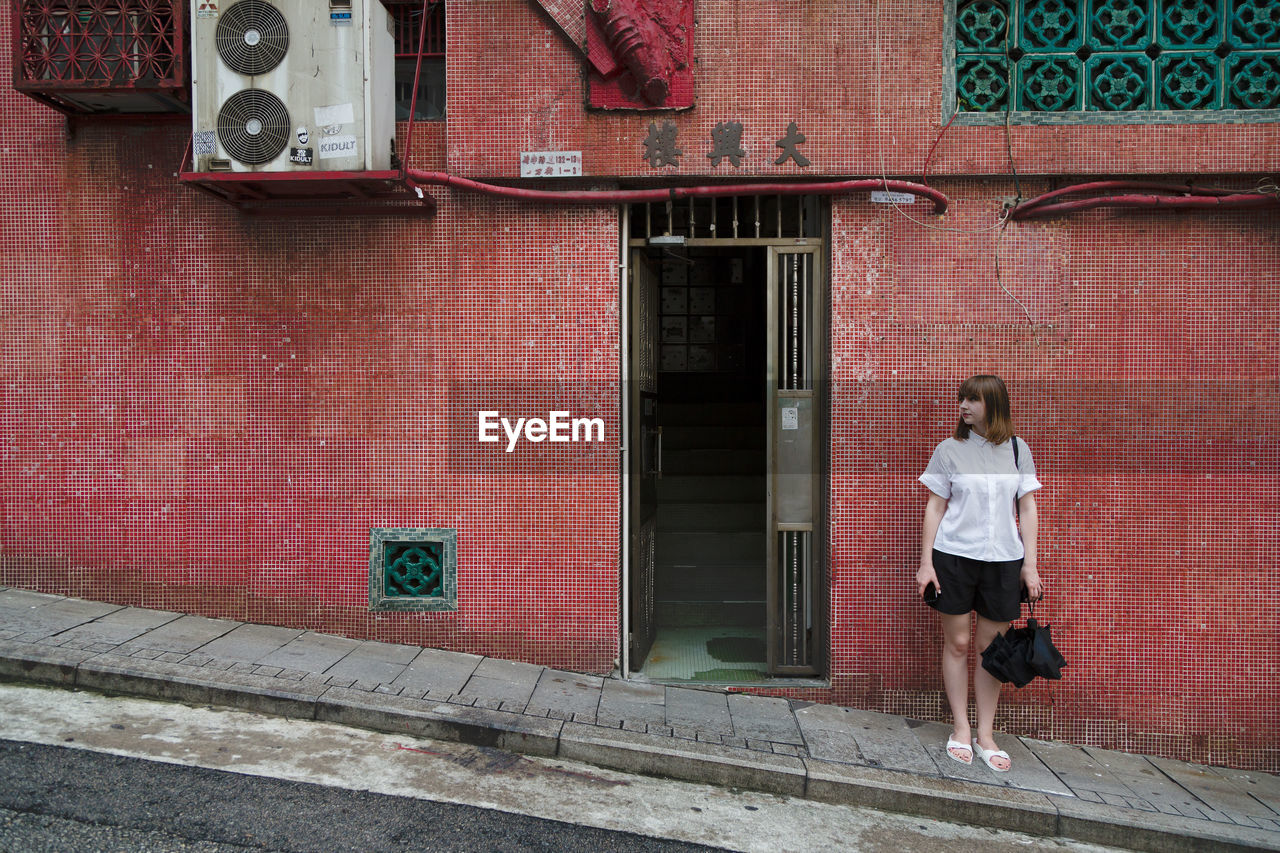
252 37
253 126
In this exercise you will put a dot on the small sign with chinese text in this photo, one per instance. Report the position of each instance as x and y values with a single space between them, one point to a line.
551 164
886 197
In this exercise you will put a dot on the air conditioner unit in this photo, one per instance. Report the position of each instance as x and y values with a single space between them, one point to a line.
292 86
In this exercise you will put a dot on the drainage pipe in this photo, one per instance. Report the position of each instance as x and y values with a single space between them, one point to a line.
416 177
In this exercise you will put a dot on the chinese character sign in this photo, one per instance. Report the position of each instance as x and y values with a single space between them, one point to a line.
551 164
660 145
726 143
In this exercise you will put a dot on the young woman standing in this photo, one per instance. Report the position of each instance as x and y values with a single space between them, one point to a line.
976 555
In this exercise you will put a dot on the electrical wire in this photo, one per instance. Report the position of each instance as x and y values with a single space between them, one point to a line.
1000 279
884 176
1003 222
924 173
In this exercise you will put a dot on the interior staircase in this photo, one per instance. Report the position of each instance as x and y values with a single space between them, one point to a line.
710 546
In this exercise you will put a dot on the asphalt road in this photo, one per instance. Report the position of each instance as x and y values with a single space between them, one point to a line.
63 799
84 772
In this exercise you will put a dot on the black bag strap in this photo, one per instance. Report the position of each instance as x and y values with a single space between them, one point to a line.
1017 510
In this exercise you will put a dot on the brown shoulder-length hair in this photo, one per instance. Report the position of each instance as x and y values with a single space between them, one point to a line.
994 395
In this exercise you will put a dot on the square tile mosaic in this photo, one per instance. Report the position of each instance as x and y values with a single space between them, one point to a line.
208 413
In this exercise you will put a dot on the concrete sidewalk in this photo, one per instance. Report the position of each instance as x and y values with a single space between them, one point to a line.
822 752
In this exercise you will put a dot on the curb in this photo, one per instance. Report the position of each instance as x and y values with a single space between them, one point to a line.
635 752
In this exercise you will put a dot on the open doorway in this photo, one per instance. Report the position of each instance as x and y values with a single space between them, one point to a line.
726 574
709 581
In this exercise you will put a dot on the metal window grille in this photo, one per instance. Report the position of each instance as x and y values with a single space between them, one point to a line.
729 217
101 55
1107 56
412 26
413 569
407 18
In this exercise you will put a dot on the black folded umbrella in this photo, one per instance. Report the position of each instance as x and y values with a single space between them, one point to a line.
1020 654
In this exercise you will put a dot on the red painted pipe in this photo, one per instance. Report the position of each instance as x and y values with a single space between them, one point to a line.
415 177
1174 202
1188 196
1097 186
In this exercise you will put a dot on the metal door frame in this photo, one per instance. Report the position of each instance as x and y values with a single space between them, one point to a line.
795 297
819 248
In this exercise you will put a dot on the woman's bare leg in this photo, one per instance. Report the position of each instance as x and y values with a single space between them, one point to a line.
955 673
986 687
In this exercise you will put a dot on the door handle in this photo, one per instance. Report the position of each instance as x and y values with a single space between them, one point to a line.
659 453
653 464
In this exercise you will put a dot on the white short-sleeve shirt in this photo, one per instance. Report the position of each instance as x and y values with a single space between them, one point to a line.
981 483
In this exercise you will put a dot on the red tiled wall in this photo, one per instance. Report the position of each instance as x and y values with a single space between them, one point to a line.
207 413
868 98
1144 381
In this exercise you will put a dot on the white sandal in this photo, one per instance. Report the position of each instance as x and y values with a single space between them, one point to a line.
987 754
959 744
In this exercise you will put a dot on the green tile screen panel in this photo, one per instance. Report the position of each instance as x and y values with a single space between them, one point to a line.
1117 55
413 568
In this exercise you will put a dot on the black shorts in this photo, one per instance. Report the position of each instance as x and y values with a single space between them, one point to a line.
994 590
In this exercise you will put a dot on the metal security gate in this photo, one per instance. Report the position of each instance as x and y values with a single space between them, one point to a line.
794 494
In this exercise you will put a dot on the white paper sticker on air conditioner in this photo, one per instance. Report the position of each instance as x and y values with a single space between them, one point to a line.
337 146
337 114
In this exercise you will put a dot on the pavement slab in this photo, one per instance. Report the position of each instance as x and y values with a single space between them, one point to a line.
495 682
438 671
1261 786
1079 770
115 628
183 635
635 702
566 694
832 746
882 740
763 718
310 652
248 643
698 711
1216 791
371 661
21 599
1147 783
43 621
